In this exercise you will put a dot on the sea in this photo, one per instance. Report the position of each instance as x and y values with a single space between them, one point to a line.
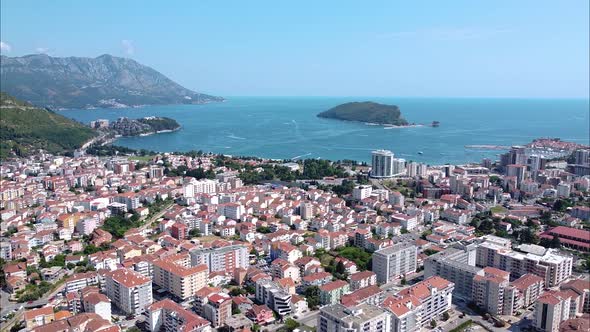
288 128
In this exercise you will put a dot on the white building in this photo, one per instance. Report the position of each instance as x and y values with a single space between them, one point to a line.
130 291
361 192
552 308
416 306
394 261
221 259
364 317
382 164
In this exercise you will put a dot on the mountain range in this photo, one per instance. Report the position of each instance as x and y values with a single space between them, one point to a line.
104 81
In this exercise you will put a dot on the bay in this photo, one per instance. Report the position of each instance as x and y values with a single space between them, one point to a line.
287 127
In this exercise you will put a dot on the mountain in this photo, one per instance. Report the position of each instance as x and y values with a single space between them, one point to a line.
367 111
104 81
24 129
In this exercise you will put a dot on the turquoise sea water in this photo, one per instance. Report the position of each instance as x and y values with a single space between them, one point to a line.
287 127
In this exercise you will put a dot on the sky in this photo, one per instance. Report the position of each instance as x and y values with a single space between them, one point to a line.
455 48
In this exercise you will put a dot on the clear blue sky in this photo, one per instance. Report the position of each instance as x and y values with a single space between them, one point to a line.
327 48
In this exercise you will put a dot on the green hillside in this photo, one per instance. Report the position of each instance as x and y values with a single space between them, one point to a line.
366 112
24 129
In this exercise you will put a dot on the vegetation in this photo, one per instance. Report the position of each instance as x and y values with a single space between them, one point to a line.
113 150
117 225
313 169
312 295
160 123
463 326
359 256
24 129
33 292
366 112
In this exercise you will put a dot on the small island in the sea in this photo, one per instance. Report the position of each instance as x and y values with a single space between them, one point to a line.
368 112
137 127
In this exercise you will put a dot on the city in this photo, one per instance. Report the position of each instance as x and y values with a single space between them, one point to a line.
197 242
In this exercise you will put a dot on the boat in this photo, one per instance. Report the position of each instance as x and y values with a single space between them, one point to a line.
420 152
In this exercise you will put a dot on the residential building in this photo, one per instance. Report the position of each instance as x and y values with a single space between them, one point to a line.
331 292
551 309
394 261
168 316
382 164
217 309
129 290
175 275
529 288
225 258
456 264
492 292
364 317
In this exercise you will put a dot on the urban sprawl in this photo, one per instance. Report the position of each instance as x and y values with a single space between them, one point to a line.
202 242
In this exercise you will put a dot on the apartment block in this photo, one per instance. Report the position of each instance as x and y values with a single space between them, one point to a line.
551 309
221 259
331 292
456 264
364 317
552 265
492 292
414 307
392 262
177 276
129 291
168 316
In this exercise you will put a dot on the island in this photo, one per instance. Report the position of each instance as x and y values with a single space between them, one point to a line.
368 112
137 127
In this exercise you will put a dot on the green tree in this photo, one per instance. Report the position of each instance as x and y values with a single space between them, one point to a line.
433 323
291 324
312 295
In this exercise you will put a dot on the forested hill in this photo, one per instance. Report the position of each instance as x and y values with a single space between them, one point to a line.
24 129
368 112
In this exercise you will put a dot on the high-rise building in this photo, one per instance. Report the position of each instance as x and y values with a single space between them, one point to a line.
306 210
394 261
274 296
492 292
130 291
398 166
550 264
361 192
382 164
176 275
551 309
364 317
582 157
416 306
217 309
456 265
221 259
168 316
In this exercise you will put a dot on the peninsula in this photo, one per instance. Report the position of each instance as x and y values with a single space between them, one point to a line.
137 127
368 112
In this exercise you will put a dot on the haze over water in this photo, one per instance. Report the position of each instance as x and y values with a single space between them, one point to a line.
287 127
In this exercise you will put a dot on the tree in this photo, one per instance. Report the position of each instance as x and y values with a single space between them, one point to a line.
446 315
312 295
340 268
291 324
195 232
433 323
555 242
404 281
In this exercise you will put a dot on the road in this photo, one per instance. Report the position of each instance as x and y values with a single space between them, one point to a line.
309 318
155 217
